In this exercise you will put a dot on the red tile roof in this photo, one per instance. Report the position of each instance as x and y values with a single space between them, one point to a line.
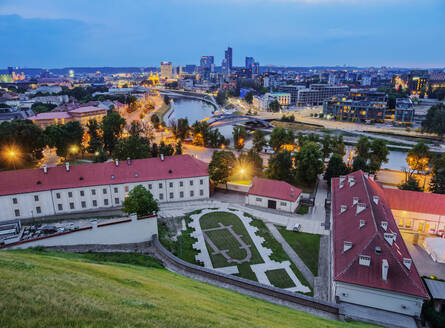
87 109
50 116
274 189
346 227
173 167
414 201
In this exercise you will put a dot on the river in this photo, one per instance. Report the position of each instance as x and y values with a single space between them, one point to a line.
195 110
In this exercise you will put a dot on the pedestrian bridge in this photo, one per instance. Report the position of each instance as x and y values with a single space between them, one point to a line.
223 119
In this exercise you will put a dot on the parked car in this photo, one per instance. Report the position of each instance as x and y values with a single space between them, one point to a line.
297 227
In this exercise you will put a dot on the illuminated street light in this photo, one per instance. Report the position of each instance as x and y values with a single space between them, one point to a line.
242 171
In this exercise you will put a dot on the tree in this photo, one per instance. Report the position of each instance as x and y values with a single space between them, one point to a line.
279 137
362 148
410 184
336 168
155 120
437 184
359 163
339 146
221 98
133 147
435 120
327 145
180 128
178 148
239 136
167 100
249 97
308 162
66 138
378 156
221 165
259 140
94 132
418 158
39 107
281 167
274 106
251 162
112 126
166 150
140 201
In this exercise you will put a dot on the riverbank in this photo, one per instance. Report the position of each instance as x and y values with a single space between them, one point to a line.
162 111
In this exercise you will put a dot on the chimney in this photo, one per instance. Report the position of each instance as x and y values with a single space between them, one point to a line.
343 209
354 201
385 268
45 169
67 166
116 162
362 223
128 161
376 199
407 263
360 208
384 225
162 157
347 245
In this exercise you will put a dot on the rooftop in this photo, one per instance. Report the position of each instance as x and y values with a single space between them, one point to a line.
86 175
274 189
366 239
414 201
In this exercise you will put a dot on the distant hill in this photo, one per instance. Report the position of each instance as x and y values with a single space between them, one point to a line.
51 289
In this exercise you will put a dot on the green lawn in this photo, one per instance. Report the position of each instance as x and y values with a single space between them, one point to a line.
303 209
279 278
306 245
224 240
50 289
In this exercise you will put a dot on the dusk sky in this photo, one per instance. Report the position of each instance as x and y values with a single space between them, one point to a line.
59 33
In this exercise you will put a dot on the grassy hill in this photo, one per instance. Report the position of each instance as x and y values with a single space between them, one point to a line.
51 289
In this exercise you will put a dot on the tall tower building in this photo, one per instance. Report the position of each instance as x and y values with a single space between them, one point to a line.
228 57
249 62
166 70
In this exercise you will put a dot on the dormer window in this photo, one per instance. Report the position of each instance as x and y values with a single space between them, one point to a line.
364 260
389 237
384 225
407 263
347 245
376 199
360 208
354 201
362 223
343 208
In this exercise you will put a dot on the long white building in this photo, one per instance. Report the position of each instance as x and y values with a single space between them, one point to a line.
94 187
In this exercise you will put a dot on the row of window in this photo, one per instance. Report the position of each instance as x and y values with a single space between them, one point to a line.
258 199
116 190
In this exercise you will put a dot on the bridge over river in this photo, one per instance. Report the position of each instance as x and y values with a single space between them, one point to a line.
224 119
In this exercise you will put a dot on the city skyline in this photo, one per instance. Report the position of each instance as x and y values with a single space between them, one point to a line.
281 33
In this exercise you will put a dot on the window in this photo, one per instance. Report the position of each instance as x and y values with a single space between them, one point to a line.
60 207
181 183
126 188
116 200
161 196
58 195
95 203
201 192
191 182
36 198
115 190
82 193
171 195
258 199
201 181
160 186
283 203
72 206
70 194
93 191
181 194
170 184
106 202
104 191
14 200
191 193
83 204
38 210
149 186
17 212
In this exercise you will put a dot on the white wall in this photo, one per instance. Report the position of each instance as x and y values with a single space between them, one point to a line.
135 231
432 223
282 205
380 299
49 201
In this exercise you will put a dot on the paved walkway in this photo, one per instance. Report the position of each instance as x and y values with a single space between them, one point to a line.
301 266
322 283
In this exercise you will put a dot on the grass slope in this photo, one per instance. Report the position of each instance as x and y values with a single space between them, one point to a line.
50 289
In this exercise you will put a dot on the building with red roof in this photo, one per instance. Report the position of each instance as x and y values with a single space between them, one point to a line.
93 187
81 114
371 263
273 194
417 211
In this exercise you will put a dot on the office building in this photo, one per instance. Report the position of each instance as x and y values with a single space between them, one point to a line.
418 81
80 114
317 93
166 70
226 65
92 187
293 90
404 113
249 63
206 66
